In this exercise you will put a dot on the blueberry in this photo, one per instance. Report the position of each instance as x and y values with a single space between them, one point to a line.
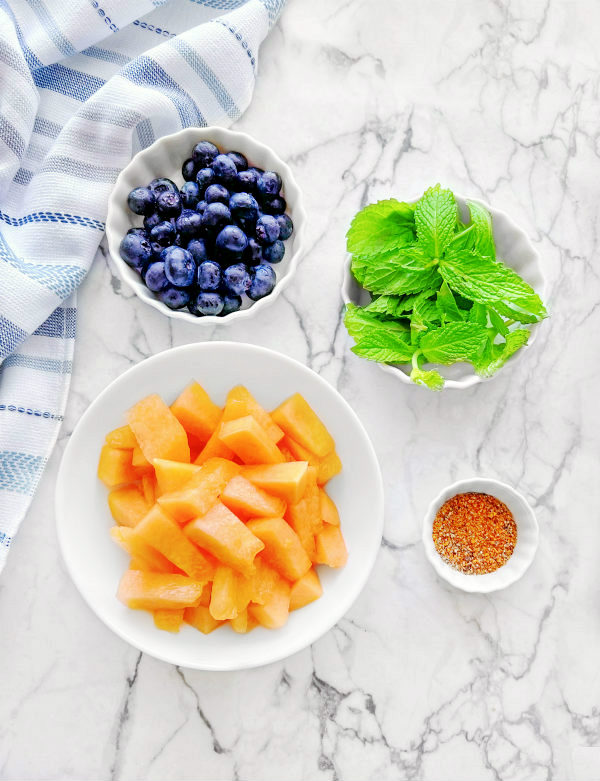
141 200
230 243
207 304
151 220
263 282
168 204
201 207
246 181
135 250
267 229
230 304
215 216
155 278
209 275
163 185
188 224
137 232
180 267
253 254
190 195
204 177
274 252
224 169
197 247
204 153
216 192
286 226
174 298
258 171
274 204
163 233
236 279
189 170
243 207
269 183
239 160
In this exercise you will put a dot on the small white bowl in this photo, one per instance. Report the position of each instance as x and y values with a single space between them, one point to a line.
165 158
83 518
513 247
525 548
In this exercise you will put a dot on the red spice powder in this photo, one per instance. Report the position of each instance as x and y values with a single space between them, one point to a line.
474 533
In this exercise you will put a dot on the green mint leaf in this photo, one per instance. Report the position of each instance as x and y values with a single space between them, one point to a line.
497 322
482 234
408 270
382 341
383 349
454 342
447 306
359 266
520 311
498 354
436 215
397 306
381 227
359 322
425 311
431 379
478 314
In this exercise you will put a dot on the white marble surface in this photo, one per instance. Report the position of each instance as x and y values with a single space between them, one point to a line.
495 98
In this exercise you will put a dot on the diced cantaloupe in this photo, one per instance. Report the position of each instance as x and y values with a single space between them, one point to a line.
149 488
200 618
250 442
299 421
240 402
140 550
264 578
201 491
283 549
305 590
330 547
222 533
157 590
157 430
329 512
275 612
287 481
305 516
136 563
243 622
139 460
246 500
214 448
121 437
196 447
169 620
128 505
327 467
172 475
223 599
115 467
196 412
163 534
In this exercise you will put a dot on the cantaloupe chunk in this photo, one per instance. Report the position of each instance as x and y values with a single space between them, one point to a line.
287 481
172 475
139 550
243 622
196 412
121 437
196 447
169 620
149 488
240 402
248 501
157 590
329 512
275 612
299 421
283 549
141 564
305 590
201 491
200 618
163 534
157 430
250 442
264 580
330 547
327 467
128 505
222 533
305 516
115 467
224 597
139 460
206 594
214 448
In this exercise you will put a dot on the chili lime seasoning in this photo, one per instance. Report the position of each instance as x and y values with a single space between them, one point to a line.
474 533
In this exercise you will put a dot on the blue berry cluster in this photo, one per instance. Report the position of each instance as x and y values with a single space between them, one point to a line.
206 244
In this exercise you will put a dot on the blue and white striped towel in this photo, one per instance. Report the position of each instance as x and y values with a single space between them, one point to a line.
84 84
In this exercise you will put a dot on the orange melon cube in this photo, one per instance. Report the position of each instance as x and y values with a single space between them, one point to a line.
222 533
200 618
330 547
163 534
264 580
206 594
157 590
157 430
196 447
223 599
275 612
243 622
240 403
305 590
247 501
115 467
288 481
214 448
172 475
121 437
200 492
329 512
128 505
299 421
140 551
149 488
305 516
327 467
283 549
139 460
137 563
196 412
250 442
169 620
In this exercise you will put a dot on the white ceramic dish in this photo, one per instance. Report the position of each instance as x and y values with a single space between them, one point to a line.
527 537
165 158
83 519
514 248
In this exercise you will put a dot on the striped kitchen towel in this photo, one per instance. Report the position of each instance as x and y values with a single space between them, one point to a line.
84 84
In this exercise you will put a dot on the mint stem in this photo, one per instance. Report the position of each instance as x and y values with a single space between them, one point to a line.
463 233
415 359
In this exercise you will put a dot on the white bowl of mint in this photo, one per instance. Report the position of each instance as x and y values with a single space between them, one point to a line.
441 291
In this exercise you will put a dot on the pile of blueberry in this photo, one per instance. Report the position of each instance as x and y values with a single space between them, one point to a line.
203 246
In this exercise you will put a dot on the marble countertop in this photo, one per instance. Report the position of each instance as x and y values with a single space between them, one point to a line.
494 98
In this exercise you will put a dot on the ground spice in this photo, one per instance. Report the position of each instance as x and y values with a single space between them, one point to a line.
474 533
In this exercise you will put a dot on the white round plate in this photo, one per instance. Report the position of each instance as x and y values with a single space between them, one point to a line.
83 518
